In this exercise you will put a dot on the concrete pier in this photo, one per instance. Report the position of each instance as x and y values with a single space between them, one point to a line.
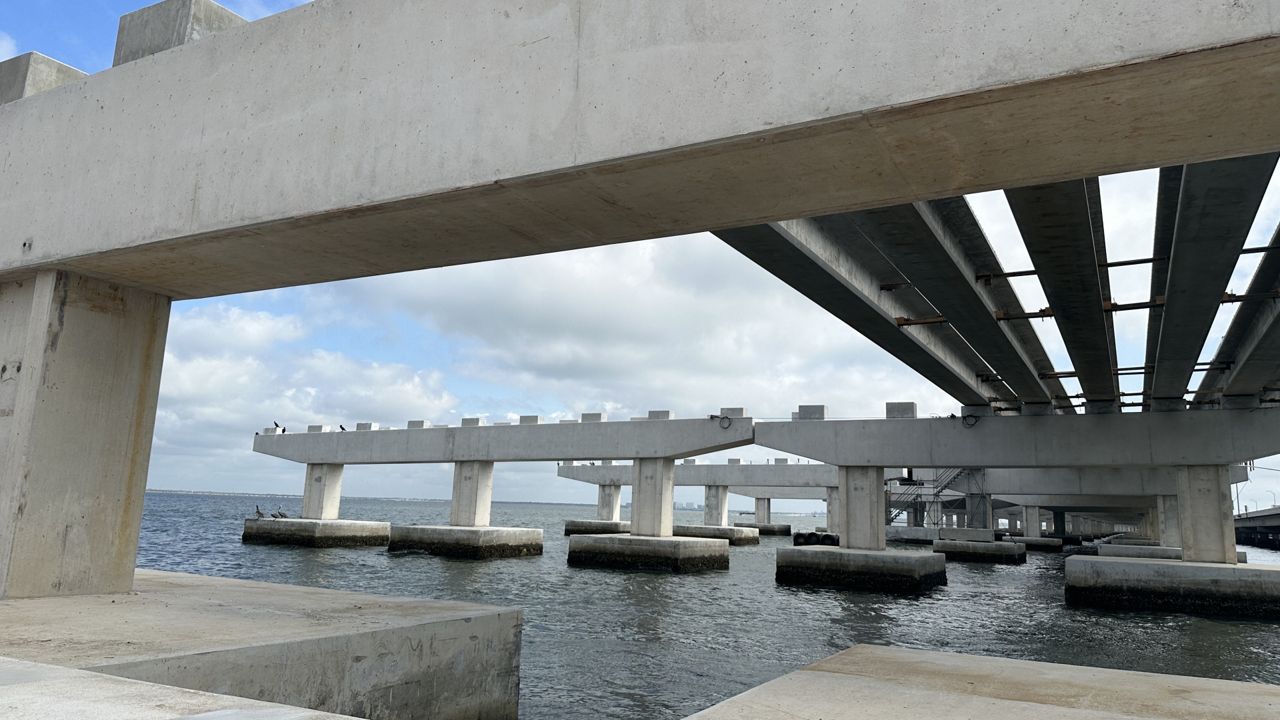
609 503
315 533
1226 589
668 554
596 527
735 535
1152 552
766 528
870 681
470 543
1006 553
334 651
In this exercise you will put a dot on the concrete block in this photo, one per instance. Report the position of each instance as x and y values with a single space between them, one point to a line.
530 419
1005 553
596 527
315 533
900 410
1145 584
366 426
32 691
866 570
318 428
416 425
631 552
1042 544
967 534
473 543
811 412
333 651
1153 553
659 415
592 417
735 535
472 422
921 535
735 461
169 24
767 528
733 412
31 73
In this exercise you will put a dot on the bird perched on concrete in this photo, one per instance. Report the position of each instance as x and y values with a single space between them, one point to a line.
343 428
279 513
273 422
258 511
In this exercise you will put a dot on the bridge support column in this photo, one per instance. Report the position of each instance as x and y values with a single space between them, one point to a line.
472 494
79 376
322 493
609 503
715 506
977 511
1030 521
652 496
764 515
1059 522
1205 514
861 562
1167 514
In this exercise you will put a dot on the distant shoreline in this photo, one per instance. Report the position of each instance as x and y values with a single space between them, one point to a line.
163 491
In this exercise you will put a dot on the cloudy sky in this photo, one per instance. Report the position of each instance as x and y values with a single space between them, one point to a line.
682 323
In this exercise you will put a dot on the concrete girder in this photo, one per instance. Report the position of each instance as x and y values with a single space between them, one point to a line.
514 443
1060 225
1079 481
637 123
1216 208
831 263
916 239
1216 437
1081 503
1168 188
1248 359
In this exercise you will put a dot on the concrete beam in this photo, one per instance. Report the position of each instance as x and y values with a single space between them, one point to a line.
1216 208
1093 481
635 123
1168 190
829 261
1217 437
738 476
511 443
1057 225
916 239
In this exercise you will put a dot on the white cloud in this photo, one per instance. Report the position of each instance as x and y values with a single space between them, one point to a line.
8 46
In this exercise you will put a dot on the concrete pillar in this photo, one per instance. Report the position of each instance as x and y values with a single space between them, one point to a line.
651 497
1205 514
609 503
322 494
913 517
472 494
862 495
763 511
977 511
715 508
933 513
1059 522
79 375
961 520
1030 521
835 511
1170 528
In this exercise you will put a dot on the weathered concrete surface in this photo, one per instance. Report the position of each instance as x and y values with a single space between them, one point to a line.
1005 553
31 691
596 527
1151 552
966 533
1202 588
631 552
1042 544
767 528
315 533
868 681
80 360
921 535
32 73
169 24
322 492
865 570
336 651
735 535
636 123
1218 438
510 443
475 543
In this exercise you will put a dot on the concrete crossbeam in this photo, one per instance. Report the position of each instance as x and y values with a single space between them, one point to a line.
1218 437
511 443
631 110
1216 208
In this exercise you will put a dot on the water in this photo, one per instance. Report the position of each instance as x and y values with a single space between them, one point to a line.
604 644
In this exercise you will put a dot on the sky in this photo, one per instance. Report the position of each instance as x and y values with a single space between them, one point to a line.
682 323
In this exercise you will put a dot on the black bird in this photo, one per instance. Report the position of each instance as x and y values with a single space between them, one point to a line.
280 513
258 511
275 423
343 428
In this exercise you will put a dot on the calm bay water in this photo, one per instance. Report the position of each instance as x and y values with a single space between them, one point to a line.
604 644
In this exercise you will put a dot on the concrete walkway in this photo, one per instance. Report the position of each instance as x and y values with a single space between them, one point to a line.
869 681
